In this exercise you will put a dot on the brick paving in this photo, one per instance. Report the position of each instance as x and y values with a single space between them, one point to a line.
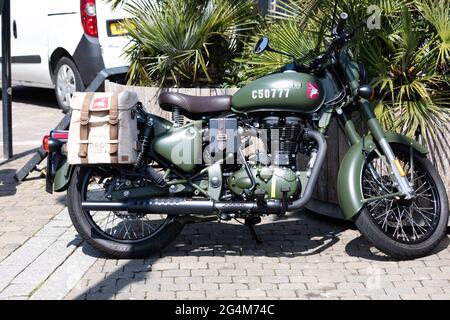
302 257
26 208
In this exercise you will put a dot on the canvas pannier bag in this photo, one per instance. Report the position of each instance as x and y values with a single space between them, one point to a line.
103 128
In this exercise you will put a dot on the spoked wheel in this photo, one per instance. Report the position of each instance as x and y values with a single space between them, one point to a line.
403 228
117 234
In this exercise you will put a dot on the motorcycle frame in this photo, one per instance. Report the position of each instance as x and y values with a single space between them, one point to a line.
350 195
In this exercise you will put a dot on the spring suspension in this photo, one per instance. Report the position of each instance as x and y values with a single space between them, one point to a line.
177 117
149 133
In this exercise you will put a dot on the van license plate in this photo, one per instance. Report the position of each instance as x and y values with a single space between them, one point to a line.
116 29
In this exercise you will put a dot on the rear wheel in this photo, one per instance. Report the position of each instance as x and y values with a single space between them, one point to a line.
116 234
403 228
67 82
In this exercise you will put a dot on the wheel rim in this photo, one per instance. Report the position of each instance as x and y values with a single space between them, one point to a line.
65 84
115 225
407 221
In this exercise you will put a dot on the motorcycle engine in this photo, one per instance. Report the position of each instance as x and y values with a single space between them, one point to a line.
273 166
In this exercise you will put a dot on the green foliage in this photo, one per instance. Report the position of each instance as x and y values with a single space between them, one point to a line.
184 43
408 62
407 58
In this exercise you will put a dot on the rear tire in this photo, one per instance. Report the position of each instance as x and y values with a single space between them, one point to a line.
67 82
90 232
371 230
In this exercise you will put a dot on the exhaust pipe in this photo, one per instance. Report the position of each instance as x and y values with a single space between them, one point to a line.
173 206
315 172
180 206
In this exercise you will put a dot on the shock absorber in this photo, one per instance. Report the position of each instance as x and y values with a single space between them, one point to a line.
177 117
149 133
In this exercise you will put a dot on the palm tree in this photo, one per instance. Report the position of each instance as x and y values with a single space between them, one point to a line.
184 43
408 58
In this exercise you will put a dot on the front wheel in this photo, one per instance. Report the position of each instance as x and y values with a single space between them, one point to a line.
120 235
403 228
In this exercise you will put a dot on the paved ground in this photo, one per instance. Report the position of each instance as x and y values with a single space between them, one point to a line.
302 257
25 208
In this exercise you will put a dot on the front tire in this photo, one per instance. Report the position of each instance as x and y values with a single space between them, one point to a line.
404 229
110 240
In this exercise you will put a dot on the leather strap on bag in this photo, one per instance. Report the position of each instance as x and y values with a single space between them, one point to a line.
114 128
84 127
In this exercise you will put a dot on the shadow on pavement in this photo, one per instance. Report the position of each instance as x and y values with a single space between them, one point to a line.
308 235
360 247
19 155
8 185
36 96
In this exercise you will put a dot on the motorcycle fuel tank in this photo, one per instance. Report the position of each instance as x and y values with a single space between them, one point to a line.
288 91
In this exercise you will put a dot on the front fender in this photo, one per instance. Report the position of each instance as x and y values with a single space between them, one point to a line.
62 177
350 173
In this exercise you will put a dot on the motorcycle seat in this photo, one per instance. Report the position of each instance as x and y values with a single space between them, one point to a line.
194 104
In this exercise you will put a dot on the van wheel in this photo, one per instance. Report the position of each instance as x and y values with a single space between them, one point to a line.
67 82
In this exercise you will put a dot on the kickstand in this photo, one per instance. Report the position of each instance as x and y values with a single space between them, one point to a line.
251 225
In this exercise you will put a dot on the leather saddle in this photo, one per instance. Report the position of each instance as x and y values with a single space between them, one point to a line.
194 104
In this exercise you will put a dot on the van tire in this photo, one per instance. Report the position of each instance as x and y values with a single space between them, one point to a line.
67 80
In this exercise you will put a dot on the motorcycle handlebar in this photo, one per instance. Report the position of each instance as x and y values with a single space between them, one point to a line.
343 17
339 38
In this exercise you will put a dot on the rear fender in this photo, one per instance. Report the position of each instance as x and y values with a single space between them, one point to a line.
62 177
350 193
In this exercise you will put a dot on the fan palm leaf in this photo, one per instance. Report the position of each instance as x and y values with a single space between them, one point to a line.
183 43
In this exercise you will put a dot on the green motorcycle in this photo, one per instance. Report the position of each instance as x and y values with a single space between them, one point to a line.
238 158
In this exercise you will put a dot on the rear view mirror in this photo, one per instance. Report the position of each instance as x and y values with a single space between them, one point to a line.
261 46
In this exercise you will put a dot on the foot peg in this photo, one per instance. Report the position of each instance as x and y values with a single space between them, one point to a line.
259 196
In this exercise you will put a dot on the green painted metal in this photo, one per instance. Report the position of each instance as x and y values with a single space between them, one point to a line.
330 85
393 137
351 132
182 147
350 173
288 91
161 125
150 191
215 172
62 177
351 69
271 180
138 193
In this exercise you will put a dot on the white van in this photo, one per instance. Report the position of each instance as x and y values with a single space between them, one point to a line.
64 44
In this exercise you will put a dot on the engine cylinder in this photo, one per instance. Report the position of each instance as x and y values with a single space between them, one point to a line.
281 135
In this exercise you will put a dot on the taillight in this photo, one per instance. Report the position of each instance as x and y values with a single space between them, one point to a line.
45 143
89 17
60 135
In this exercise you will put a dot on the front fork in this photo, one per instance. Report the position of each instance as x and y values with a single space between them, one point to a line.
378 133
